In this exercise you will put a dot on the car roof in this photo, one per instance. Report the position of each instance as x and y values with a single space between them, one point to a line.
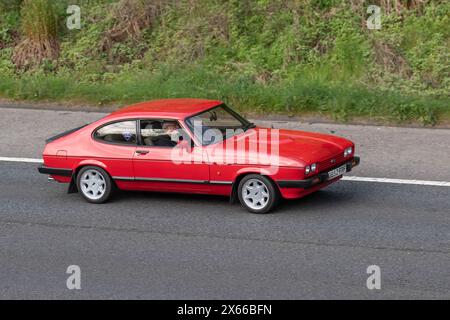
174 108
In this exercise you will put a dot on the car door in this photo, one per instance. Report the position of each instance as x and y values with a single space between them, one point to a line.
157 164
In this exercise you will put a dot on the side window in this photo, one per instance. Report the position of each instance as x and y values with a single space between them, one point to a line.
119 132
161 133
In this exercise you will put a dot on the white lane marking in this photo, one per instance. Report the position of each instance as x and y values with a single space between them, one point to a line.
345 178
27 160
398 181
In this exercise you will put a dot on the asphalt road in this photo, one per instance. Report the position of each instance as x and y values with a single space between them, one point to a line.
160 246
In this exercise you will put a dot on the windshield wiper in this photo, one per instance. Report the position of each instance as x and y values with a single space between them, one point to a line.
249 125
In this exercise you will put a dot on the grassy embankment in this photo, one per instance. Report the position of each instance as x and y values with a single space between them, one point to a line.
293 57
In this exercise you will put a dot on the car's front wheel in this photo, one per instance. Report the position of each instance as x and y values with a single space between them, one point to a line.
257 193
94 184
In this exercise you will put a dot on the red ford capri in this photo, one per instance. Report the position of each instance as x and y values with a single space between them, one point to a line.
195 146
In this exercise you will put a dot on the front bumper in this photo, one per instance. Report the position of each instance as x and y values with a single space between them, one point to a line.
55 171
317 179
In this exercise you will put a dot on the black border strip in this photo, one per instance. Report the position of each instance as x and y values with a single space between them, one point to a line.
172 180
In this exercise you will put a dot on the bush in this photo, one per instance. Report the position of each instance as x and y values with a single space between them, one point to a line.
40 31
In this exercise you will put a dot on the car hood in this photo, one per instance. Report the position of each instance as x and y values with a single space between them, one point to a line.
310 147
294 148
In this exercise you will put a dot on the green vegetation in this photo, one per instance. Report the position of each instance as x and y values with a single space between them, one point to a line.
260 56
40 30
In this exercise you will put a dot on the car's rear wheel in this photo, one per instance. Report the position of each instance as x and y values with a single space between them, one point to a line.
257 193
94 184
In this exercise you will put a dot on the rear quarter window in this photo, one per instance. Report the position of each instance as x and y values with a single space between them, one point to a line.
123 132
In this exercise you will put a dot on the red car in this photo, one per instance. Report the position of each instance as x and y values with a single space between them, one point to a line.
195 146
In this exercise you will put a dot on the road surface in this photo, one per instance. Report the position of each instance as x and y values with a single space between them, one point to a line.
169 246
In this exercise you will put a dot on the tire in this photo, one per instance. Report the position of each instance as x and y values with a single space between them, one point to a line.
94 184
259 201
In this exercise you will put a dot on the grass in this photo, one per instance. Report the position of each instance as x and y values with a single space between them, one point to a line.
296 97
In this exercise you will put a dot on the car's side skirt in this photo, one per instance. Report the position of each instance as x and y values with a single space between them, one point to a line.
138 179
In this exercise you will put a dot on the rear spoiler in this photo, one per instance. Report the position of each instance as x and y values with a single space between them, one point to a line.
65 133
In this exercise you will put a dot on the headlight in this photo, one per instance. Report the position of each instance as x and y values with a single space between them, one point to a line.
348 151
310 169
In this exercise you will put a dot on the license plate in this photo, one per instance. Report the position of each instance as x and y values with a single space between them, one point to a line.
337 172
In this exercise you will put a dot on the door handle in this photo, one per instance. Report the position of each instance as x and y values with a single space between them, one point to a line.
142 152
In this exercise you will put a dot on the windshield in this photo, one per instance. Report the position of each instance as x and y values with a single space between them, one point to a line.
217 124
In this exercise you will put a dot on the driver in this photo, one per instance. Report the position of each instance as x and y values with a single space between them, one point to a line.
170 136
